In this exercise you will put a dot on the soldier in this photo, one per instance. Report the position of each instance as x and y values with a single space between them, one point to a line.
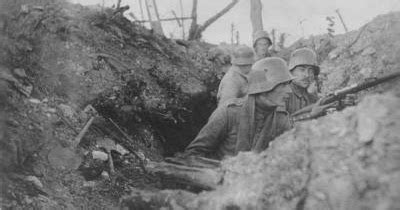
304 68
234 82
261 44
252 122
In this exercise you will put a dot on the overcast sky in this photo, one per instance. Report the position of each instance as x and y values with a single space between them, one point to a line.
298 18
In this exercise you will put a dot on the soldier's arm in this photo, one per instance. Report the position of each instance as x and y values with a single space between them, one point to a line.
229 90
211 135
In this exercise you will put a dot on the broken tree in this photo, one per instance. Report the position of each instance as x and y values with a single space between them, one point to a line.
256 15
196 30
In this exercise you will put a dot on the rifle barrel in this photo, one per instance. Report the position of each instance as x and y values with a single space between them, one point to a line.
338 94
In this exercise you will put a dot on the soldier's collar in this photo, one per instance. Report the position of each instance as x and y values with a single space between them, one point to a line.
297 90
237 70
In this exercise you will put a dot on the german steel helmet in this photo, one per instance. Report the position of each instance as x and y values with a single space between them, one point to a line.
304 56
260 35
266 74
243 55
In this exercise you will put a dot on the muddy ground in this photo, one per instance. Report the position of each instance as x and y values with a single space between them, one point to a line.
62 64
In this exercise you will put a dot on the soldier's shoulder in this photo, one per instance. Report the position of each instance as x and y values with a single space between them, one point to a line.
234 102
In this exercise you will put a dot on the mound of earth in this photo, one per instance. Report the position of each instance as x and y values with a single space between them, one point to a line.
58 61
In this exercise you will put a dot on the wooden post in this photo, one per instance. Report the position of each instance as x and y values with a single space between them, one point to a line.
341 20
196 30
256 15
193 25
232 31
155 25
183 21
177 19
141 9
237 38
273 36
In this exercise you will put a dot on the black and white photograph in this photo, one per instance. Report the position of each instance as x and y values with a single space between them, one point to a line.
200 104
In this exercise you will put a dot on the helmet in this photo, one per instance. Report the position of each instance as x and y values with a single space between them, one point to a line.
243 55
266 74
260 35
304 56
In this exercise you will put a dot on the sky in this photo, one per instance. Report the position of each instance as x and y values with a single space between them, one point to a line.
297 18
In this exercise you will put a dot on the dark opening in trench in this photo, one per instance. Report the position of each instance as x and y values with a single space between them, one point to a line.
153 129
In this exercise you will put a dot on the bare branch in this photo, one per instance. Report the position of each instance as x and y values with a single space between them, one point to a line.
193 25
165 19
216 16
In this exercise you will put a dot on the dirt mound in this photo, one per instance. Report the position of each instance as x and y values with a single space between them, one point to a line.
348 160
56 59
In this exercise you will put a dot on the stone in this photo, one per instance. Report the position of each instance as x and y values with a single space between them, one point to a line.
105 175
99 155
368 51
64 158
34 101
89 184
20 72
35 181
67 110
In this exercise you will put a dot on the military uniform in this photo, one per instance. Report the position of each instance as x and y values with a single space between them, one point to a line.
218 137
233 85
268 125
234 82
240 124
299 99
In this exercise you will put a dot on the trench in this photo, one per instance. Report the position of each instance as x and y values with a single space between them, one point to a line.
171 129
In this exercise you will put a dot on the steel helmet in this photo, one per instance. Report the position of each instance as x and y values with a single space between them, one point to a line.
304 56
260 35
243 55
266 74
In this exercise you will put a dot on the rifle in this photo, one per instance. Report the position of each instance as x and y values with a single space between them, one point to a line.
305 113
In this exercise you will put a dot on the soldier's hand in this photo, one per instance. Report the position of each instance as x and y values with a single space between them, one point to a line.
319 110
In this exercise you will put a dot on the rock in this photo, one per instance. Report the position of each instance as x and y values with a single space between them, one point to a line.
35 181
66 110
121 149
34 101
20 72
64 158
105 175
24 8
99 155
51 110
368 51
89 184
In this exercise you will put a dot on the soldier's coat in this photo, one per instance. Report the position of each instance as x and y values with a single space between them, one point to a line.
234 84
219 137
299 98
